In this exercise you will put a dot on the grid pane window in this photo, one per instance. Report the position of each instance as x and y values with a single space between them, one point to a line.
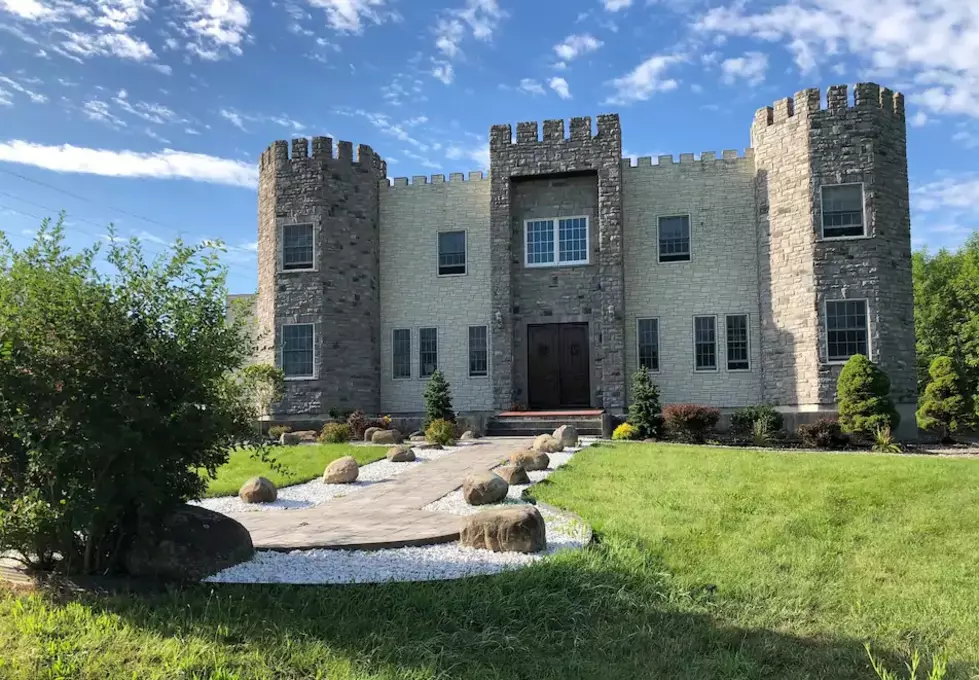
846 329
452 252
297 246
477 351
428 351
648 342
402 353
297 351
737 343
705 343
674 238
573 240
843 211
540 242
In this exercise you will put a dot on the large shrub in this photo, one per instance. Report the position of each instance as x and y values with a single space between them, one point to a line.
116 391
690 422
824 433
438 399
335 433
644 409
944 410
863 393
441 431
743 420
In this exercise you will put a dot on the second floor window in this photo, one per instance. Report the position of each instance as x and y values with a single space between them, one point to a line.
842 211
297 246
452 252
674 238
556 241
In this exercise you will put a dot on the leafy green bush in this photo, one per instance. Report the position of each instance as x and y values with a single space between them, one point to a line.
863 392
644 409
335 433
743 420
277 431
824 433
438 399
118 389
624 432
441 431
884 441
690 422
944 409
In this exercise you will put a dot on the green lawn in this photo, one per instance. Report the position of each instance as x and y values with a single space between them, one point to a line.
301 464
710 563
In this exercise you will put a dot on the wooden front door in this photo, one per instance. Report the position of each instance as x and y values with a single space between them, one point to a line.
557 366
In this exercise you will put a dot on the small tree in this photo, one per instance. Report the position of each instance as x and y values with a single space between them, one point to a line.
438 399
263 383
863 392
644 409
944 409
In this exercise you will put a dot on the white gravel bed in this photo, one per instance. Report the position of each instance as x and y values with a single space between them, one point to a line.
314 492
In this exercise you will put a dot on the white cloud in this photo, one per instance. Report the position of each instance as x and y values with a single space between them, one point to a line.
919 119
576 45
213 26
750 67
349 16
951 193
967 139
35 97
95 109
234 118
148 111
934 44
478 18
560 85
238 119
6 99
645 80
166 164
421 160
443 71
531 86
120 45
478 154
616 5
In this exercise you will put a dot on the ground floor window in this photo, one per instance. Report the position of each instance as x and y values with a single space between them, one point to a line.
737 342
402 353
846 329
705 343
478 363
428 351
297 350
647 340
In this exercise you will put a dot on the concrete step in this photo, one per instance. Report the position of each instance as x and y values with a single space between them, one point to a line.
531 425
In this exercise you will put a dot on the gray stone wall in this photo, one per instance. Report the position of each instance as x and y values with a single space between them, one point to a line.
556 154
341 295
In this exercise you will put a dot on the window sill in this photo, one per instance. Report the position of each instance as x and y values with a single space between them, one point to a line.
673 261
553 265
299 378
830 239
705 370
451 276
479 377
297 271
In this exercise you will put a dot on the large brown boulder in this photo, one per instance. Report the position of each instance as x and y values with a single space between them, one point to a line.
369 433
481 488
341 471
529 459
511 529
513 474
386 437
547 444
190 544
258 490
566 435
307 435
289 439
400 454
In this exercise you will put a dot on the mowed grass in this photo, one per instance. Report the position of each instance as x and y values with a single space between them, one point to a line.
709 563
299 464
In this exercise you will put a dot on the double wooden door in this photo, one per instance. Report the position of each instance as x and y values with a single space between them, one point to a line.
558 373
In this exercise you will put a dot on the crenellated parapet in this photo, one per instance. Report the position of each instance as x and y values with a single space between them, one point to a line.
433 180
580 128
808 103
707 159
321 150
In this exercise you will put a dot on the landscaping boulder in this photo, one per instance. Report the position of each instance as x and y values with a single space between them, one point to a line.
289 439
529 459
566 435
386 437
547 444
510 529
481 488
258 490
369 433
400 454
513 474
307 435
428 447
341 471
418 438
190 544
469 435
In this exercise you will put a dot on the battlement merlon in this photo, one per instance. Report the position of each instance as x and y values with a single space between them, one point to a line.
528 132
278 153
808 102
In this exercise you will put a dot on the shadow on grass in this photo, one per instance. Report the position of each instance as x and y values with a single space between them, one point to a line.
607 612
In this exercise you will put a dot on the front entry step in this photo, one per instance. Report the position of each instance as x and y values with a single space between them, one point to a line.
528 424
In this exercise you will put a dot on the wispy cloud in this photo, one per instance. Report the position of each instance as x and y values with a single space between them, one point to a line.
35 97
531 86
351 16
560 85
576 45
477 18
616 5
645 80
478 153
750 67
238 119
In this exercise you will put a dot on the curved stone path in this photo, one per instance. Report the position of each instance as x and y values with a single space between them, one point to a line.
387 514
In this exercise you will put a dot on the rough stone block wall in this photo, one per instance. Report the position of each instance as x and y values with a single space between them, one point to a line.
413 296
721 277
528 155
341 295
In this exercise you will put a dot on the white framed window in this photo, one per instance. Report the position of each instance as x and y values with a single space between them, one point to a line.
847 329
478 352
401 351
738 349
555 242
452 253
647 343
428 351
705 343
842 211
297 247
297 351
673 236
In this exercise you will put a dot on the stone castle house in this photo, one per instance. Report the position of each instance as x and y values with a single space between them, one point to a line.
736 280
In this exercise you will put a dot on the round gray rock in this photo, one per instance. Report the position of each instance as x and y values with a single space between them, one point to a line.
341 471
512 529
386 437
469 435
290 439
400 454
566 435
369 433
513 474
547 444
529 459
482 488
258 490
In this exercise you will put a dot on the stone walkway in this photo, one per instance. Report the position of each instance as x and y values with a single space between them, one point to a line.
387 514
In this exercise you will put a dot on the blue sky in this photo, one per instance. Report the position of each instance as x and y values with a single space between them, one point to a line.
151 114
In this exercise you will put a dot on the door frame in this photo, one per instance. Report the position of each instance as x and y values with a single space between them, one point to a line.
588 364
